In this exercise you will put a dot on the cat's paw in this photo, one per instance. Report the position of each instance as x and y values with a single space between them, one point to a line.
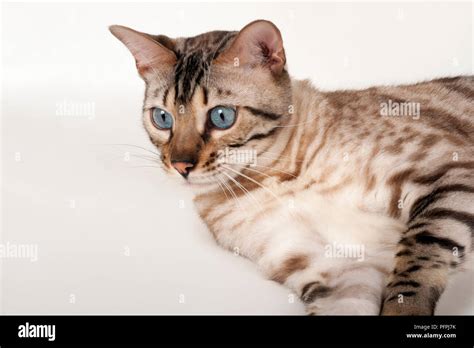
406 308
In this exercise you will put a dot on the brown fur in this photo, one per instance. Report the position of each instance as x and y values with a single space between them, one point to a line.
338 146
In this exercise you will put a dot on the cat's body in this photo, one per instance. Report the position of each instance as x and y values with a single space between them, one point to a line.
340 185
336 167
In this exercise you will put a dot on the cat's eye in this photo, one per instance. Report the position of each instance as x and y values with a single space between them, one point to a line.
161 119
222 117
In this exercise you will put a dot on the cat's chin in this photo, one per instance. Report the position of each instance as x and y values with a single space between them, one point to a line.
200 184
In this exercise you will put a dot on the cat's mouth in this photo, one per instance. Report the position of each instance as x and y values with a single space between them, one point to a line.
202 179
220 175
217 177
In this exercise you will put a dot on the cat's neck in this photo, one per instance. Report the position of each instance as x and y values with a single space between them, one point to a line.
306 120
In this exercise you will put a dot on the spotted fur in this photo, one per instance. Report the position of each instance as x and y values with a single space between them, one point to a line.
331 170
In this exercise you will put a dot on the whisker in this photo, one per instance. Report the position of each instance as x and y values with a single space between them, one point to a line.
137 146
221 187
244 190
254 181
262 186
282 171
255 171
233 194
150 158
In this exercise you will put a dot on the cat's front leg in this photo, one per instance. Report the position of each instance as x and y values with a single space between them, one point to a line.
353 290
327 286
341 290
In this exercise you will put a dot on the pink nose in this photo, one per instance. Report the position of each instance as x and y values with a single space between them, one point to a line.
183 168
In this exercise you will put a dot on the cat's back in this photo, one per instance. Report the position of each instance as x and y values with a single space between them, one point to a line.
443 105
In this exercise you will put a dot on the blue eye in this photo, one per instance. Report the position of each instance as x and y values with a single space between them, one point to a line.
222 117
161 118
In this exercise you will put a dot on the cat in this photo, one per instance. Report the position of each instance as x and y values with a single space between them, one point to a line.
359 201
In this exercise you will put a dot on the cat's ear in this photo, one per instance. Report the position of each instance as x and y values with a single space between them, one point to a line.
258 43
149 54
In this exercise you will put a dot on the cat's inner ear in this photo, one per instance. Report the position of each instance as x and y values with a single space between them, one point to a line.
258 43
149 54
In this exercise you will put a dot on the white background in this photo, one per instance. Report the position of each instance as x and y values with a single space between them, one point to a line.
74 194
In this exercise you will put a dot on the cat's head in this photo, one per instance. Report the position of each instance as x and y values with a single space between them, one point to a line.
211 95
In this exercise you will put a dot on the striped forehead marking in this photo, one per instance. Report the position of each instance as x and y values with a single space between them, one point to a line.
194 59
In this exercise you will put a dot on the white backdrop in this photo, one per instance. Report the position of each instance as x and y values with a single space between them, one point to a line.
114 236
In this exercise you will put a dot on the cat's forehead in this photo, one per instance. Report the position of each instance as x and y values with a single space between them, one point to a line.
194 57
208 44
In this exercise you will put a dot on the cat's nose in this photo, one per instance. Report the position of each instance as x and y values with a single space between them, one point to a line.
183 167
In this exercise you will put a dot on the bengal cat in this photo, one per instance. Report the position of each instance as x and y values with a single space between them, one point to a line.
359 201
